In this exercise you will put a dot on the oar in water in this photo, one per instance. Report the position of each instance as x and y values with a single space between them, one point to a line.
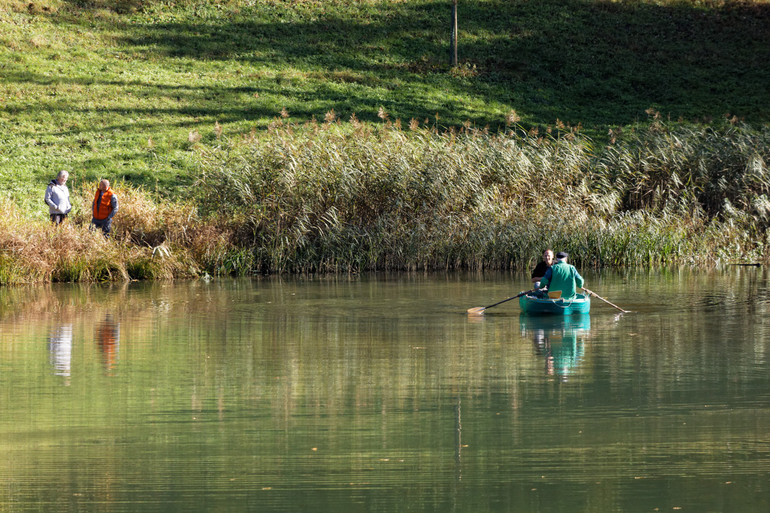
600 297
477 310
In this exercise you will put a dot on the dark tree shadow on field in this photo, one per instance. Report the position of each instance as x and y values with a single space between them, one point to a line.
599 63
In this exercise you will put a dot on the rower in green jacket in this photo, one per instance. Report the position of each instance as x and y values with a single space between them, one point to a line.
562 276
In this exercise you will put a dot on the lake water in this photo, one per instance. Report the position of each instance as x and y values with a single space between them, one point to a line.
379 393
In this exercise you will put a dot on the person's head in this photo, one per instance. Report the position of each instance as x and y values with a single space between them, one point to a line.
561 256
548 256
104 185
61 177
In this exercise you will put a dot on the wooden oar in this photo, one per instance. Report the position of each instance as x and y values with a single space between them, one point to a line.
600 297
478 310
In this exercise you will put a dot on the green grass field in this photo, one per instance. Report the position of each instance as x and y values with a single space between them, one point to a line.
125 89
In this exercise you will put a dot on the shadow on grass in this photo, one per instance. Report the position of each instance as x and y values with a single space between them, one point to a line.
190 102
598 63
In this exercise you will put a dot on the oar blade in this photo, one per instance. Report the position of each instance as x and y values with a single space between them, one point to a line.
477 310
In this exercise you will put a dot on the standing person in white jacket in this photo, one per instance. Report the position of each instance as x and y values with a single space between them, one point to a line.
57 196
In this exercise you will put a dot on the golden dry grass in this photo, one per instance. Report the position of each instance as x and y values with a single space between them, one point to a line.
149 241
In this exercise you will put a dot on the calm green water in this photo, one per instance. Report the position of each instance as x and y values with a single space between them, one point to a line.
381 394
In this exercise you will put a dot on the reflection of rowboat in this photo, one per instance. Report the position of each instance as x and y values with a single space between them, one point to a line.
581 303
555 323
558 338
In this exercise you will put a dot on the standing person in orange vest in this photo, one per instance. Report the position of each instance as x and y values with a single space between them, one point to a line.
105 206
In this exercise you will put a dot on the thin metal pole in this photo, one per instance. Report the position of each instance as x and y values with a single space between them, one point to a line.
453 56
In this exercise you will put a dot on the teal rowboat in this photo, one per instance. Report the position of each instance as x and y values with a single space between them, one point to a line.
580 304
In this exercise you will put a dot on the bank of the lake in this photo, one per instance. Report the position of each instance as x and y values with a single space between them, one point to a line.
352 197
277 136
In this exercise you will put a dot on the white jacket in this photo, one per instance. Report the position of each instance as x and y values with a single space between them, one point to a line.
58 198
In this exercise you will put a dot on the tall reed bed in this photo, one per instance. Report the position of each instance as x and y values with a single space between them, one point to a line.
359 197
687 169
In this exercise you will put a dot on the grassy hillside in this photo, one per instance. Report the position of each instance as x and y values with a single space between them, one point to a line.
129 89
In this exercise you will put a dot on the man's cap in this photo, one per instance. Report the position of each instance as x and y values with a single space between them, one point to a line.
561 254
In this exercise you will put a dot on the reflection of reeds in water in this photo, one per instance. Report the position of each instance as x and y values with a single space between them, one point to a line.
257 346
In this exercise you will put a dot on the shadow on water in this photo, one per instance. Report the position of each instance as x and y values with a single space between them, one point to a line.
589 62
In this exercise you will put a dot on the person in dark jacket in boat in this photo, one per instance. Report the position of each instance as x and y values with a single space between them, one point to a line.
563 277
539 271
104 207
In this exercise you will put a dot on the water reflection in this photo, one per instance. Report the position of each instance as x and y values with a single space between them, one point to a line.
108 338
60 350
458 440
558 339
377 395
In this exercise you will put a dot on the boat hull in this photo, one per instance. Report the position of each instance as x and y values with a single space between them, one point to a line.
580 304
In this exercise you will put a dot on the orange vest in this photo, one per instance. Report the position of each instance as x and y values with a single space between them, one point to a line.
103 208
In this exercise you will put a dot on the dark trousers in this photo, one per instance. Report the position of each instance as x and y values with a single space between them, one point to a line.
104 224
58 218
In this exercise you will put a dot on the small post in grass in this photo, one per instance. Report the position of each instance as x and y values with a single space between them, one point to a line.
453 43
